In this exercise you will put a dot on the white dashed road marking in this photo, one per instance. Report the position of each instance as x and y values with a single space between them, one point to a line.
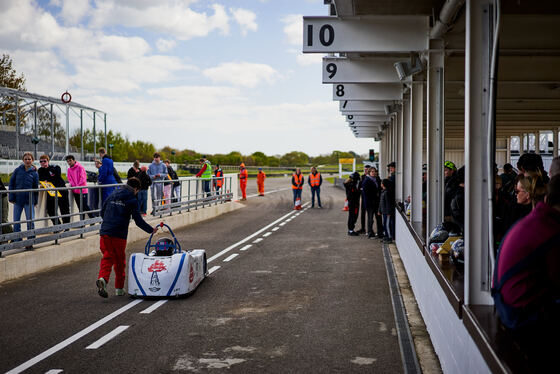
275 229
213 269
153 307
245 247
228 259
258 240
107 337
267 234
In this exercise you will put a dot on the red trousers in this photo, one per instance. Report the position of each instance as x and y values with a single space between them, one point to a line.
243 185
261 188
113 256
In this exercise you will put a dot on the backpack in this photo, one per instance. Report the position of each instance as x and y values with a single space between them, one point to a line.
515 318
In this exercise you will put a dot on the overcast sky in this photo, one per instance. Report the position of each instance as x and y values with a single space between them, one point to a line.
213 76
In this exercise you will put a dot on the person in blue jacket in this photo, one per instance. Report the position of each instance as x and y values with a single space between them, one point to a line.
106 174
116 212
24 177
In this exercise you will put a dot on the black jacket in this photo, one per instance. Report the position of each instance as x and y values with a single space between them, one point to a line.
132 173
145 180
173 175
51 174
370 192
352 191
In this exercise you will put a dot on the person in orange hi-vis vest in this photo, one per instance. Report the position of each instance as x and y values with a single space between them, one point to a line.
243 175
297 184
261 176
315 180
219 179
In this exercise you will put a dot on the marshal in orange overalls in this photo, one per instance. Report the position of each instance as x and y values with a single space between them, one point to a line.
243 175
260 182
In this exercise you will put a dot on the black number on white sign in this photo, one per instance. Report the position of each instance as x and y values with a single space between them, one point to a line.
340 91
331 68
326 35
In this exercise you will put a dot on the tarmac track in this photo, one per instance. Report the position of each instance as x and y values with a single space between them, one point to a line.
305 298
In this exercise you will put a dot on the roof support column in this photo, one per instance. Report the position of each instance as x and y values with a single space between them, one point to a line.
555 142
478 43
416 139
52 131
399 156
508 150
538 143
67 147
406 160
435 107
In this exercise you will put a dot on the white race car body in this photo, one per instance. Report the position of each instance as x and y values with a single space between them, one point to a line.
164 276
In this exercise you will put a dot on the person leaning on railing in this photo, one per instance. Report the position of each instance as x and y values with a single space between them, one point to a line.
24 177
106 174
52 174
77 177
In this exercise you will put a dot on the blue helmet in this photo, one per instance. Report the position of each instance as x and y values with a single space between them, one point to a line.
458 251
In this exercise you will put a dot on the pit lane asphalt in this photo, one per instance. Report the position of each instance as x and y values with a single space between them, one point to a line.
307 298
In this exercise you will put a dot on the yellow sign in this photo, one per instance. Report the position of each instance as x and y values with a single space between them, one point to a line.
345 160
45 184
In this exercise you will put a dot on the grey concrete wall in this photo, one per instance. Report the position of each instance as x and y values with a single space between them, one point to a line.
456 349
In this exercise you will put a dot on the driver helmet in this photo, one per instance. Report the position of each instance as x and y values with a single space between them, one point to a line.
164 247
439 234
458 251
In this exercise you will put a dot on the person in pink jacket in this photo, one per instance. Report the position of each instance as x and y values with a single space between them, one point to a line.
77 177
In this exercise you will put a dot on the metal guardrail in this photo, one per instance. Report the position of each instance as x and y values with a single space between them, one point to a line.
191 195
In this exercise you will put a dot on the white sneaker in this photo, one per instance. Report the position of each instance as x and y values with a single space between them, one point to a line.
102 287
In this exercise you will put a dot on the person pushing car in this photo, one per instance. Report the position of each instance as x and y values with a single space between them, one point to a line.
116 212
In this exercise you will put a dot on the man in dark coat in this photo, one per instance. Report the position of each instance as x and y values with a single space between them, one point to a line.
353 197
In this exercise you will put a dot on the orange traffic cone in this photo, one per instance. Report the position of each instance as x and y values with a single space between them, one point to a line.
297 205
345 209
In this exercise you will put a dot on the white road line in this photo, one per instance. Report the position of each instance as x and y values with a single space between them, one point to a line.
213 269
229 258
224 251
269 192
244 248
54 371
282 224
107 337
258 240
267 234
275 229
40 357
153 307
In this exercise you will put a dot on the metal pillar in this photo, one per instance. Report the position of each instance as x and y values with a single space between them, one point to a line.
416 139
94 136
435 104
508 149
67 149
82 134
478 44
105 125
538 142
399 157
17 126
35 130
555 142
406 175
52 131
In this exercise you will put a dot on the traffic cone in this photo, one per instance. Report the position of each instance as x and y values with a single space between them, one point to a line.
345 209
297 205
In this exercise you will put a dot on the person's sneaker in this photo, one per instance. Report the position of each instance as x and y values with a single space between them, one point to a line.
352 233
361 231
120 292
102 287
387 241
370 235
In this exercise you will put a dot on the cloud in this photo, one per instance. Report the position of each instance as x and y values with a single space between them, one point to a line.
244 74
169 17
73 11
245 19
293 29
164 45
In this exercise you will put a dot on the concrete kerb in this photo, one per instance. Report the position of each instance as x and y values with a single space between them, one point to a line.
45 258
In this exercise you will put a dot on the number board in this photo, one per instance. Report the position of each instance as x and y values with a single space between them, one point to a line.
367 91
364 105
365 34
370 70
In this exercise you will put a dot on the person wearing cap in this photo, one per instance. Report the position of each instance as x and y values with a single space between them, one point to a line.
261 176
243 175
451 186
116 213
205 174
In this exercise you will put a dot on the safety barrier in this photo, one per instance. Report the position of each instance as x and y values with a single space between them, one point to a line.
190 194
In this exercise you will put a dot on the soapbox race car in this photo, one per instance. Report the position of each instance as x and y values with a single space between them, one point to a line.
164 270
